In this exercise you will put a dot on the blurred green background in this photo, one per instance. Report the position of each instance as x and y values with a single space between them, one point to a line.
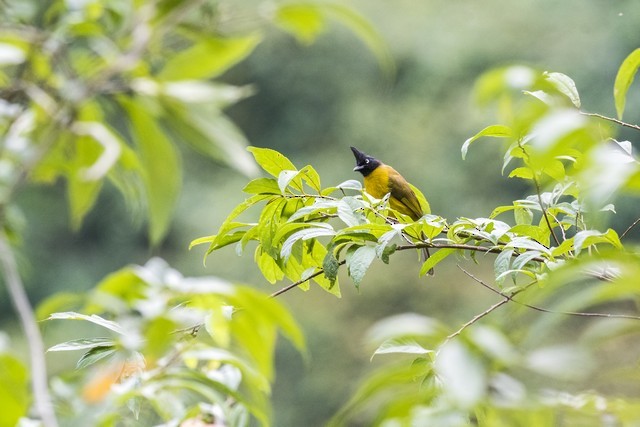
311 103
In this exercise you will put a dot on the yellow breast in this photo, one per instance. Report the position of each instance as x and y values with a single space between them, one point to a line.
377 182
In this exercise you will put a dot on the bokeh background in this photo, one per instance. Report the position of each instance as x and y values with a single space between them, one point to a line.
311 103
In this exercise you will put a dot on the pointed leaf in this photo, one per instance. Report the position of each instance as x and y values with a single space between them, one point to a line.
434 259
271 161
497 131
565 85
360 261
624 78
209 57
162 168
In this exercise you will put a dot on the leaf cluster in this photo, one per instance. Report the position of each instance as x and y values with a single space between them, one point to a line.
169 343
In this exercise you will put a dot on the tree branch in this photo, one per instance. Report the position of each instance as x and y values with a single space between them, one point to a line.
478 317
629 228
301 281
509 297
611 119
23 307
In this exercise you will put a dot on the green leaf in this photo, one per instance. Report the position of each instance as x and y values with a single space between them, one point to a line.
503 262
94 318
522 216
268 266
400 345
83 344
318 230
205 129
330 266
434 259
522 172
60 301
527 244
463 375
285 177
271 161
262 186
304 21
497 131
14 390
162 169
363 29
95 355
82 192
586 238
208 57
359 263
565 247
624 78
565 85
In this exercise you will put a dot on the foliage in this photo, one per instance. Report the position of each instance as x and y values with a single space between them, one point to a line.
94 93
177 347
554 254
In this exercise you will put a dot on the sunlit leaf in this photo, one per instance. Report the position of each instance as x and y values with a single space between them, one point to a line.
262 186
434 259
401 345
14 390
208 57
304 20
497 131
95 355
586 238
318 230
463 375
565 85
624 78
94 318
271 161
162 168
82 344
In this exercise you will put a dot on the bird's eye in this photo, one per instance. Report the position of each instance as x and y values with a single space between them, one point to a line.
366 160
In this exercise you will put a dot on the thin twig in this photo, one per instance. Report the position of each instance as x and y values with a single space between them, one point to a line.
493 250
478 317
301 281
629 228
611 119
546 310
25 312
544 211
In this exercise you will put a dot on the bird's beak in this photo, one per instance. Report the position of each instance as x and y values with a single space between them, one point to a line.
360 158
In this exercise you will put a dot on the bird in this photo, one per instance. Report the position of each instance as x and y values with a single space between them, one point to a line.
381 179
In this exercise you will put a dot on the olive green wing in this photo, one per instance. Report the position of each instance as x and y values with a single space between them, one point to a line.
406 201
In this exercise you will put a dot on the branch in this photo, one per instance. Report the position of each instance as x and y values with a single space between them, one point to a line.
509 297
611 119
630 227
544 211
23 307
301 281
478 317
493 250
